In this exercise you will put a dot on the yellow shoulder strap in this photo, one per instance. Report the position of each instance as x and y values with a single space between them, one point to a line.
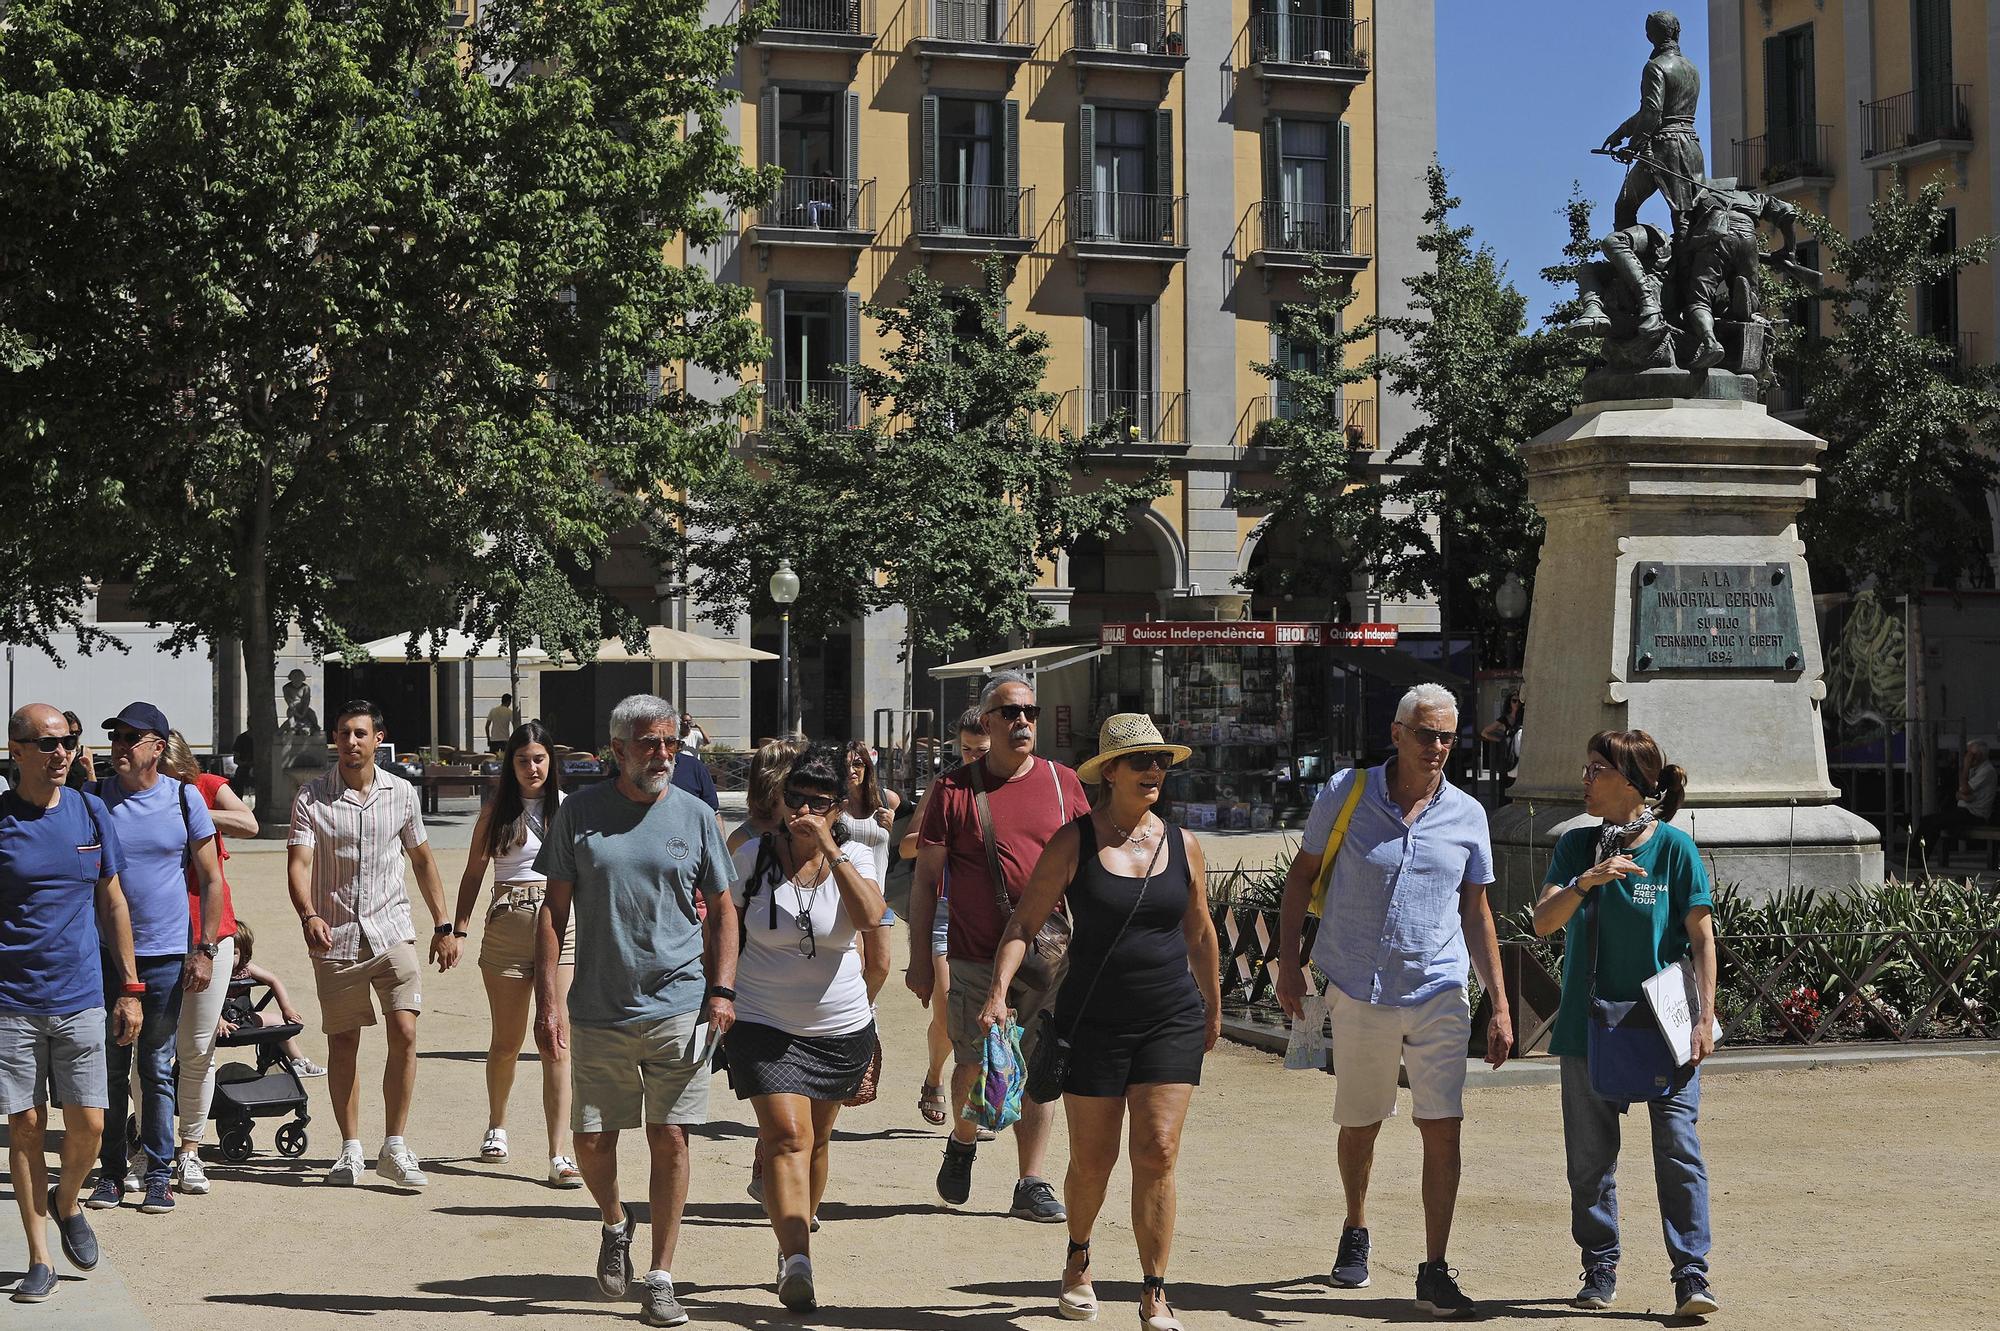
1335 840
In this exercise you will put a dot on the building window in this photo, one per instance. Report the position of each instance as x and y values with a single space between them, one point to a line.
1930 62
813 334
1790 105
1121 365
1298 30
1300 357
1126 174
1937 302
813 137
971 167
1307 168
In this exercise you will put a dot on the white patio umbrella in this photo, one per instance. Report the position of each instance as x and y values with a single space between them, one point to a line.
455 646
664 645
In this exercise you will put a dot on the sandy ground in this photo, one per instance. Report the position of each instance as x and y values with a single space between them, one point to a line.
1860 1197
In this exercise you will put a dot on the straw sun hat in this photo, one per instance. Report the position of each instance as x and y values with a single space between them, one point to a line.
1123 733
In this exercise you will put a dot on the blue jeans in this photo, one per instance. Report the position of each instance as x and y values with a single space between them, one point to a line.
1590 1138
154 1050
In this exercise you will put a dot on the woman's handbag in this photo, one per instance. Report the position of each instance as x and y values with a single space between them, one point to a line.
1628 1055
1049 1068
1042 969
871 1080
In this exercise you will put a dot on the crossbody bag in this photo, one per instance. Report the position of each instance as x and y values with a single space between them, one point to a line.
1628 1054
1049 947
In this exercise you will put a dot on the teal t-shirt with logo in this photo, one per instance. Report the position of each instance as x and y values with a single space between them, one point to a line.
1643 929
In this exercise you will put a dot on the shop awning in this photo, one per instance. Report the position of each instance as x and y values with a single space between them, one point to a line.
1397 667
1038 658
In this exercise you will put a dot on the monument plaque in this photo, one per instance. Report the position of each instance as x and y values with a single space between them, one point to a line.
1714 617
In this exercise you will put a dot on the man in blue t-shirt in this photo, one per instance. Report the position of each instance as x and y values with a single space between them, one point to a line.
59 893
165 829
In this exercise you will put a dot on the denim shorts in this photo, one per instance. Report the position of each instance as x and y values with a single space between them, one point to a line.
68 1050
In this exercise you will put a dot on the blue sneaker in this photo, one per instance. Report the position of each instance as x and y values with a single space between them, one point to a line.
79 1240
159 1197
108 1192
1350 1264
1693 1297
1600 1287
38 1284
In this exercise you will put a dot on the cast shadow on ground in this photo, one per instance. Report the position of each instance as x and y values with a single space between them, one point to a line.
718 1130
1287 1302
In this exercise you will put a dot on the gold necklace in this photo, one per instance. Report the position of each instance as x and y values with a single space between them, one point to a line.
1134 837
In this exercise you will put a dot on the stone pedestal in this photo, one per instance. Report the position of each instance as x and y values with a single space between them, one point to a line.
1626 487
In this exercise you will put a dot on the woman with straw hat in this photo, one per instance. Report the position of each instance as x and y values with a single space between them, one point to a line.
1141 1005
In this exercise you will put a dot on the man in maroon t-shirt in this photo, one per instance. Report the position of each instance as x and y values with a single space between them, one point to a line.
1030 798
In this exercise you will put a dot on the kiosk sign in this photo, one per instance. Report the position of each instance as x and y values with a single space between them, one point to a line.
1714 617
1243 633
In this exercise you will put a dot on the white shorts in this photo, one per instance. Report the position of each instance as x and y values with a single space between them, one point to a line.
1429 1041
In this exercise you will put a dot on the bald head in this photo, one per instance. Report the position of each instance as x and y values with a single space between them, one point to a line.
41 772
34 720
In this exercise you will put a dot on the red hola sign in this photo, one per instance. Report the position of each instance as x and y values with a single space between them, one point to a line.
1243 633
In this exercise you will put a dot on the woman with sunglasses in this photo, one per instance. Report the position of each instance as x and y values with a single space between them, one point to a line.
1634 899
81 770
1141 1005
804 1033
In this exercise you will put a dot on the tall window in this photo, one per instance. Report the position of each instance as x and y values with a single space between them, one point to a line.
1790 104
968 166
1306 185
1937 302
1122 365
812 333
808 144
1930 61
1300 356
1122 180
965 20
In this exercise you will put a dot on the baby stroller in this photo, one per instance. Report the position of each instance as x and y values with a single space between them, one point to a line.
272 1089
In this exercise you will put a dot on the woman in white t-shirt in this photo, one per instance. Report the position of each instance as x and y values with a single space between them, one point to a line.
507 836
804 1034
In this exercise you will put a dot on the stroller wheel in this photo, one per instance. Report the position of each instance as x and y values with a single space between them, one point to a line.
291 1140
236 1147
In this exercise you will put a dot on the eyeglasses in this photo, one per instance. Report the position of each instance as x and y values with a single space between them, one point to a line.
1434 738
1594 770
1147 761
666 744
798 799
807 947
131 737
50 743
1017 711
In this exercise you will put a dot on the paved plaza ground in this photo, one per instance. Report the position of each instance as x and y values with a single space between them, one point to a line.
1860 1196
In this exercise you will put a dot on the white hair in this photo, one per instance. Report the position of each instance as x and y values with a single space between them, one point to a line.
1425 695
642 711
999 682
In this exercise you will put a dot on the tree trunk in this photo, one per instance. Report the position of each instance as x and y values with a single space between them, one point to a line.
260 659
908 775
513 683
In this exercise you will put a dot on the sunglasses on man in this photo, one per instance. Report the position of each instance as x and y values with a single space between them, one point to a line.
130 737
1017 711
50 743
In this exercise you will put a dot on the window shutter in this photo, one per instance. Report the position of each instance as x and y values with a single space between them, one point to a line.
1344 198
1805 109
1145 412
774 329
1100 374
1274 141
851 353
1163 155
928 208
767 122
1009 211
851 128
1087 160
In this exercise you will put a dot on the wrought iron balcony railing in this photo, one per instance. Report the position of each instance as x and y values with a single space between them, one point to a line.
1357 414
989 22
1314 40
1787 152
950 208
1315 228
1143 28
1910 122
831 204
835 398
1115 218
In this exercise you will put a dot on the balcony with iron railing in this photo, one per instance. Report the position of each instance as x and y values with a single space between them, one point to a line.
1914 126
955 217
1276 233
821 25
1253 429
1134 416
1112 224
989 31
1305 48
825 211
1128 34
1786 158
834 400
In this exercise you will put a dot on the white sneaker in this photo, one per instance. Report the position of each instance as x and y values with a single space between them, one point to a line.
135 1173
795 1283
194 1179
563 1172
494 1147
347 1169
400 1167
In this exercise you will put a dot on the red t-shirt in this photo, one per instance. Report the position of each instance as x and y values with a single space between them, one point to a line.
1027 812
208 783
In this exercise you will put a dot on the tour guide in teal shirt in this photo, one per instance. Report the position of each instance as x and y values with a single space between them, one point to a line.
1406 911
632 857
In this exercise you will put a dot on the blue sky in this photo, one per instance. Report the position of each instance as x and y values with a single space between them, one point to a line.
1525 89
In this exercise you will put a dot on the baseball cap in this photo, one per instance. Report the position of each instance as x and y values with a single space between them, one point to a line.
140 716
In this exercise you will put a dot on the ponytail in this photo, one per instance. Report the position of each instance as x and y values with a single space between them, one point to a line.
1673 791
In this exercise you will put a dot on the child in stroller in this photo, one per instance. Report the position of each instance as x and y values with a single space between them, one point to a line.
273 1087
238 1011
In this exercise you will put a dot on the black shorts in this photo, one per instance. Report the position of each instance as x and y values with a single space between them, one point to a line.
1108 1058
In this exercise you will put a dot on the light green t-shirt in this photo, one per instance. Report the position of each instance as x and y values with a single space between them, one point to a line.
1643 929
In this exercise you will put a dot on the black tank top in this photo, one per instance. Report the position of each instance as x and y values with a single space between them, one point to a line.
1146 977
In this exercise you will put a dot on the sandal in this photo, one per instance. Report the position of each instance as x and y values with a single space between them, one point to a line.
932 1104
495 1145
1079 1301
1157 1286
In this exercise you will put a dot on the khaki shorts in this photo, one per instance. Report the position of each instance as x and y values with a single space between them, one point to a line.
396 976
970 981
1370 1041
615 1071
508 945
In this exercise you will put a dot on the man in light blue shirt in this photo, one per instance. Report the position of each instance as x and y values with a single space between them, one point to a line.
1406 909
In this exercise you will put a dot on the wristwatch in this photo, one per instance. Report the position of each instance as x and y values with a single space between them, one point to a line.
207 950
447 928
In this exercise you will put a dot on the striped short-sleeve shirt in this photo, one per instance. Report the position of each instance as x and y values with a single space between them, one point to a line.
357 838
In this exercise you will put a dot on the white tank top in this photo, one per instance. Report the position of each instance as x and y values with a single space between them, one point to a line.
516 863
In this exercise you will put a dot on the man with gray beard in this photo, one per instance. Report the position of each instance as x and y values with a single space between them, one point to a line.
631 856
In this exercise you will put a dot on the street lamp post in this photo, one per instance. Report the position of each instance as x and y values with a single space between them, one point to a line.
784 591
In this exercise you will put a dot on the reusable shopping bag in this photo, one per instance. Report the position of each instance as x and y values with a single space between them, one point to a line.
1306 1051
995 1101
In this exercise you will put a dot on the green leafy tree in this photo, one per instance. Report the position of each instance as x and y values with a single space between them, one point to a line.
326 303
1900 499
